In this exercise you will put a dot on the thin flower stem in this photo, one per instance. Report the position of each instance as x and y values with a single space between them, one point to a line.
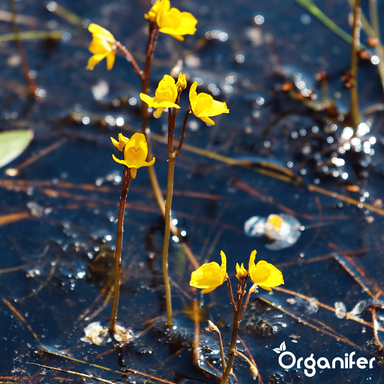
196 334
130 58
253 368
235 329
119 245
217 330
252 290
238 353
151 43
235 326
168 205
354 102
231 292
183 132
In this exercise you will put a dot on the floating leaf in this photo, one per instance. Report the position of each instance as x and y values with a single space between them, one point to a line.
12 144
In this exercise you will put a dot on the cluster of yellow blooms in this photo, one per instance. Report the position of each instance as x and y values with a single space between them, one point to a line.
211 275
202 105
169 20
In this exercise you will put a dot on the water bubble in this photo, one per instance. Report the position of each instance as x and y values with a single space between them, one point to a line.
305 19
259 19
375 60
40 92
362 129
66 37
52 6
120 121
347 133
240 58
340 310
267 144
260 101
358 308
315 129
337 161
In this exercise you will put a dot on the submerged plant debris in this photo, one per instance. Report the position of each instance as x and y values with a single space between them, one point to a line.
286 146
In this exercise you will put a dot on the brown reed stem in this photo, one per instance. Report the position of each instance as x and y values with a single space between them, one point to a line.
237 317
183 132
119 245
130 59
21 50
235 329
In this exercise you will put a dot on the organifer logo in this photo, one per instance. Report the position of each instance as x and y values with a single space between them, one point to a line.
288 360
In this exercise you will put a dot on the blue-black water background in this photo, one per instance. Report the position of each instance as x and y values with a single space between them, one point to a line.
56 251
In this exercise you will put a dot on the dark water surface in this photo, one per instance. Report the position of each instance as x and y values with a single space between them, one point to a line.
57 216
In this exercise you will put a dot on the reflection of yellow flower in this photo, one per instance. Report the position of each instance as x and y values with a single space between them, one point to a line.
135 152
274 222
171 20
203 105
181 81
165 95
241 272
263 274
209 276
102 46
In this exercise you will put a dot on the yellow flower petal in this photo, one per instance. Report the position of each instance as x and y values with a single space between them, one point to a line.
158 112
264 274
110 60
95 59
210 275
203 105
152 13
121 143
102 45
96 29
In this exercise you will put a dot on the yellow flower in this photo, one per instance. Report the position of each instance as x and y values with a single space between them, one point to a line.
165 96
151 15
135 152
263 274
172 21
102 46
210 276
203 105
241 272
181 81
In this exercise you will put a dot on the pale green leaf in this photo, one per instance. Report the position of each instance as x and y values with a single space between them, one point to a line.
13 144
